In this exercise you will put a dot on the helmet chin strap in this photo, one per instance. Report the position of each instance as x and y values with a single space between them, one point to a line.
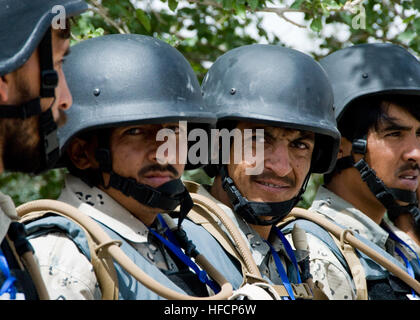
252 211
166 197
47 125
387 196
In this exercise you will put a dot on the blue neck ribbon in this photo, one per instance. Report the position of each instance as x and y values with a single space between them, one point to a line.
280 269
173 245
408 266
8 283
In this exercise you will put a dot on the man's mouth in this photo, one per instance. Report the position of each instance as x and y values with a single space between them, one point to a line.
156 179
273 184
409 179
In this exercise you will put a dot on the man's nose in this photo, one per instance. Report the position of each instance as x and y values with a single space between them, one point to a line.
278 160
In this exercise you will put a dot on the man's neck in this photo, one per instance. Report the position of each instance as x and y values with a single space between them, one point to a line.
405 223
349 186
220 194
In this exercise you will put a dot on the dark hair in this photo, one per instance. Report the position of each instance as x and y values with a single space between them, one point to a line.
367 112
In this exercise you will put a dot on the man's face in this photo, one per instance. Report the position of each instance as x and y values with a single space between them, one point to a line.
134 155
394 149
22 149
287 159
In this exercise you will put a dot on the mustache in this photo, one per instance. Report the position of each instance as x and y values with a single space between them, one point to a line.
158 167
409 166
267 175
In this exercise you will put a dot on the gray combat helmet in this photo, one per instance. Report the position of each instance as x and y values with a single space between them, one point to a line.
367 70
277 86
119 80
371 69
25 26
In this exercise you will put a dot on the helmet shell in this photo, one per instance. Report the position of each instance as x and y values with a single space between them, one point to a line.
23 24
371 69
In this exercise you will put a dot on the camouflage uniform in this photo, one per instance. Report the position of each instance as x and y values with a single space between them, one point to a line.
259 248
64 267
324 266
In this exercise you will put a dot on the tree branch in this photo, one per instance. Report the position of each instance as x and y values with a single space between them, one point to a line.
103 12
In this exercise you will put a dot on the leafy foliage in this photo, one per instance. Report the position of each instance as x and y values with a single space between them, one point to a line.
204 29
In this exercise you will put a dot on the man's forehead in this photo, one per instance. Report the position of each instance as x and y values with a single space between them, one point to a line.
397 115
271 129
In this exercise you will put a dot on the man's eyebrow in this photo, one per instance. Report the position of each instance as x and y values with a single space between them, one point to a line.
306 135
391 124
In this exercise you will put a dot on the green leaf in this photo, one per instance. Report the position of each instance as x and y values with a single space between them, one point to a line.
408 20
228 4
240 9
331 4
407 36
416 24
416 4
297 4
316 24
253 4
173 4
144 19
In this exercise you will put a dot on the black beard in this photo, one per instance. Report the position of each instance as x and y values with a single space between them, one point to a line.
22 149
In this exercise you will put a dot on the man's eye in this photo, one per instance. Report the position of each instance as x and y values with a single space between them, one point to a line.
133 131
300 145
393 134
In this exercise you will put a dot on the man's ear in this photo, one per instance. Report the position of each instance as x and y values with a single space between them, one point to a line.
345 148
4 90
81 154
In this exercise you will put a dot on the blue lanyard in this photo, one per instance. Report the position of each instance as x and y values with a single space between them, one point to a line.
282 273
279 265
410 270
8 284
289 251
201 274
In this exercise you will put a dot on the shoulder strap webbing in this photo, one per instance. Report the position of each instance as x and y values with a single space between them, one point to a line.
356 268
207 213
23 253
348 253
377 254
201 216
101 261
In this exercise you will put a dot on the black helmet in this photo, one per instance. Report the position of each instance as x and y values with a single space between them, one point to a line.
119 80
371 69
24 23
367 70
24 26
277 86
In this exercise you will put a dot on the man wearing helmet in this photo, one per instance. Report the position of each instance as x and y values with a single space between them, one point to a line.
119 178
376 89
286 94
33 95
